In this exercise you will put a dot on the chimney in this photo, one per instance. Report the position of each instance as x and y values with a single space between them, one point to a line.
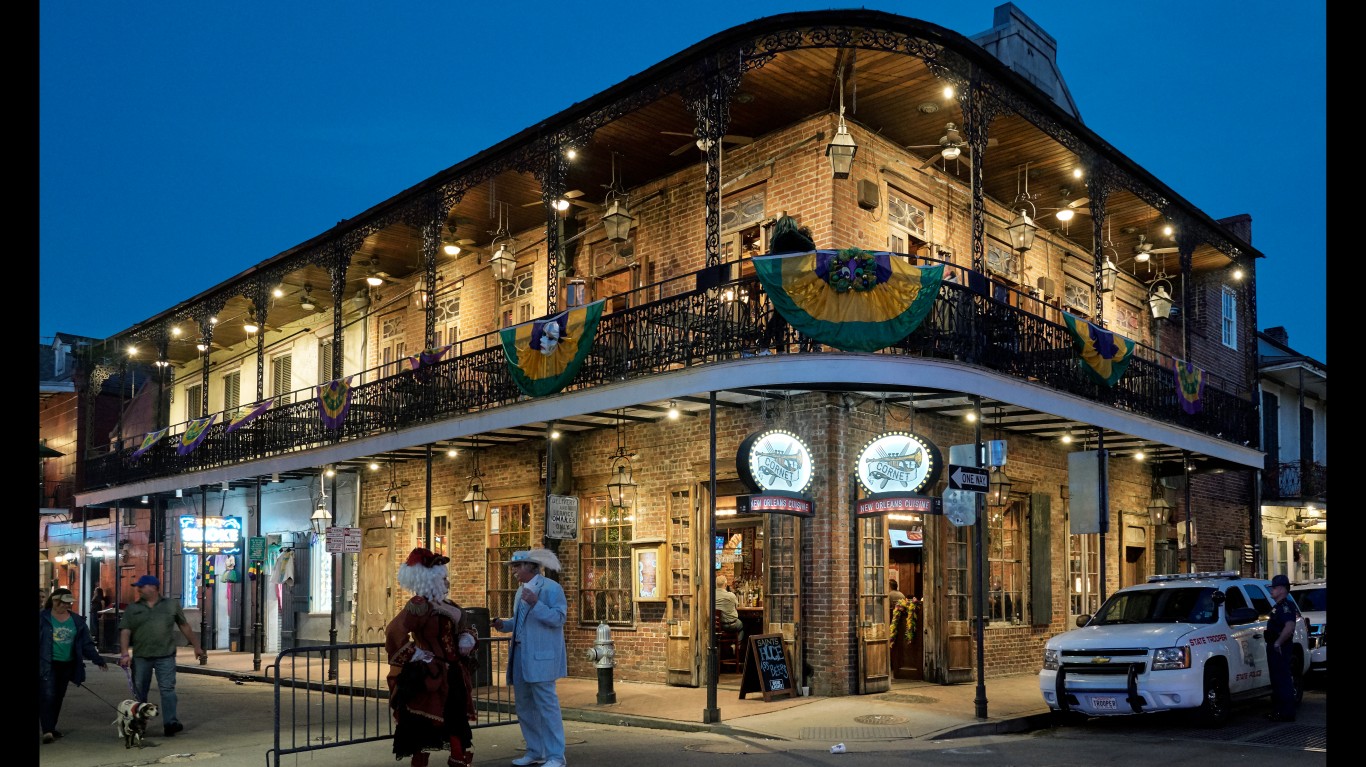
1240 225
1278 335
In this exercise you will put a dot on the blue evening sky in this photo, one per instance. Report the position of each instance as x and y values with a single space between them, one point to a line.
181 143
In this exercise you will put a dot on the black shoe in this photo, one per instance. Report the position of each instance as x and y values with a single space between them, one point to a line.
173 728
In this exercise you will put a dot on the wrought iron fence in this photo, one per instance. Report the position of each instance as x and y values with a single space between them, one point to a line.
328 696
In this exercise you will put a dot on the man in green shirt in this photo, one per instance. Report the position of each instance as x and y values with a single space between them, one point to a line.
149 626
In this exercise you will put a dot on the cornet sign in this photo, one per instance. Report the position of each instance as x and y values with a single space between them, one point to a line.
897 463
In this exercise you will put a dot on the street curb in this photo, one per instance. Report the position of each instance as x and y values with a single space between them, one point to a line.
1026 723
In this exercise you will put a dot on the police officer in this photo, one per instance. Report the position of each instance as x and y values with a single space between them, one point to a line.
1280 650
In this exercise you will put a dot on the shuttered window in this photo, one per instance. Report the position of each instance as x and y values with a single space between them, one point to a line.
281 378
232 390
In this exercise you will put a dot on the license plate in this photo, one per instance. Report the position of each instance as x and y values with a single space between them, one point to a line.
1104 703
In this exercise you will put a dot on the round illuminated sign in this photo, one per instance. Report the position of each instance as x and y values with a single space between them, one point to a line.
775 459
897 462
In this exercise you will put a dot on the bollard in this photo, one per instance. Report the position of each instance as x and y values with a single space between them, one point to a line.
603 655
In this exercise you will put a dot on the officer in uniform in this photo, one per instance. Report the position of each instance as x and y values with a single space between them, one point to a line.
1280 649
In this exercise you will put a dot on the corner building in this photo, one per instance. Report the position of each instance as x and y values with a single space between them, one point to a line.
1056 344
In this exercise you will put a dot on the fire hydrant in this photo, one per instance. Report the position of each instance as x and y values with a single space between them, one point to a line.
604 655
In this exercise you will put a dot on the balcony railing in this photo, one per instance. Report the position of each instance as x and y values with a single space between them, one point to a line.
674 324
1295 480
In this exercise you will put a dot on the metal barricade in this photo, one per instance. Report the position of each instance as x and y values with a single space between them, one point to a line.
313 712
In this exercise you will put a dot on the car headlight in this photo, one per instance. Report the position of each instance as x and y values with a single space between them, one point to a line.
1171 657
1050 659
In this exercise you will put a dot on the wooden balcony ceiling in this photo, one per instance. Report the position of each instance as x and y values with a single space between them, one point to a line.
893 95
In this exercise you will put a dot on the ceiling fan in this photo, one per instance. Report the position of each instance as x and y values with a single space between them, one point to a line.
572 197
1144 249
951 146
701 144
374 276
1071 207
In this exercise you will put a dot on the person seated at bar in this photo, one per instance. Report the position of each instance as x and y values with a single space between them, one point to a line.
728 606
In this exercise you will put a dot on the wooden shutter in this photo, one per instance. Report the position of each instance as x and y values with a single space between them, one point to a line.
1040 559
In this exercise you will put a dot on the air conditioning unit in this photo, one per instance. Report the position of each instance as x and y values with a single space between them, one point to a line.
1049 288
867 194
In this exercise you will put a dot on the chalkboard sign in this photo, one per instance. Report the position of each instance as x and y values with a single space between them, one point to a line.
767 669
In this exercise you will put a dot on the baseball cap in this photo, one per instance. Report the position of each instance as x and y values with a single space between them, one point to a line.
63 595
1281 580
147 580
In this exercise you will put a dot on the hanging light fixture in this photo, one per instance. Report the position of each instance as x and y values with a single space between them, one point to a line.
1109 274
1160 294
617 219
251 326
1022 228
476 501
841 149
306 300
393 507
998 484
621 490
503 262
673 410
1159 508
322 518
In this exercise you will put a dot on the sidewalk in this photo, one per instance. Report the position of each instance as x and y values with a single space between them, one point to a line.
919 710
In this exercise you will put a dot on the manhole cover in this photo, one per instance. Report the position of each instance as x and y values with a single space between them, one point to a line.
902 697
880 719
725 748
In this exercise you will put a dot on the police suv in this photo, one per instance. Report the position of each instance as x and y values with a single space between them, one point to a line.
1191 641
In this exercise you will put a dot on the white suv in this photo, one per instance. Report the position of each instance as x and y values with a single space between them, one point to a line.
1312 599
1190 641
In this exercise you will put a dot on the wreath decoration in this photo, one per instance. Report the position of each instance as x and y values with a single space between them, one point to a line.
852 269
904 612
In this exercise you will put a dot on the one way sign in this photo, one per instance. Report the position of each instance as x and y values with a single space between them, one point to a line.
969 478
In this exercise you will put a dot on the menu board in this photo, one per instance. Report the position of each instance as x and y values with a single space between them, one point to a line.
767 668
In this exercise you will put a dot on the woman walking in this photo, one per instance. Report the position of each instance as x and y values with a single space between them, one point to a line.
63 645
431 645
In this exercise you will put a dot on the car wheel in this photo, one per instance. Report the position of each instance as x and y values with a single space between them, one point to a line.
1214 708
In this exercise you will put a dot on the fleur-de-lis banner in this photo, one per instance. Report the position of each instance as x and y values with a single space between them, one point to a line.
428 357
246 415
1105 355
851 299
1190 387
334 401
544 355
194 434
151 438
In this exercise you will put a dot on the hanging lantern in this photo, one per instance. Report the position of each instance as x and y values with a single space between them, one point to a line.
476 501
1109 273
503 263
617 220
1160 300
1022 230
998 488
621 491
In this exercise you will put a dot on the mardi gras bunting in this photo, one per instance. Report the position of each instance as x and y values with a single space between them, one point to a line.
246 415
334 401
428 356
852 299
1190 387
151 438
1104 355
543 356
194 434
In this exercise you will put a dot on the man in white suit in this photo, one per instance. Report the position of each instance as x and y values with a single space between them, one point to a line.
537 656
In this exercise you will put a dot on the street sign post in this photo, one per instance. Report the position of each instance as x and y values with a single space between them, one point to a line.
969 478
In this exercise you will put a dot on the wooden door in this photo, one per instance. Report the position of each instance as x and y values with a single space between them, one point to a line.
686 643
948 617
871 610
908 661
376 585
782 570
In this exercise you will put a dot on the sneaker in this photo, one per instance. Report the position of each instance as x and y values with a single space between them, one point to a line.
173 728
554 763
48 738
525 760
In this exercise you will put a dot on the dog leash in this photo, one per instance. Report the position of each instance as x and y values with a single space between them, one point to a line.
102 700
128 675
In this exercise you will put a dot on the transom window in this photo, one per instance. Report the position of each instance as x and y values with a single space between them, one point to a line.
518 287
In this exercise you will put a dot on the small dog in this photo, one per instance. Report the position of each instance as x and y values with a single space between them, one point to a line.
132 721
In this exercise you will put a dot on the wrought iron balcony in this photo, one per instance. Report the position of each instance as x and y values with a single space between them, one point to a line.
671 325
1295 480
